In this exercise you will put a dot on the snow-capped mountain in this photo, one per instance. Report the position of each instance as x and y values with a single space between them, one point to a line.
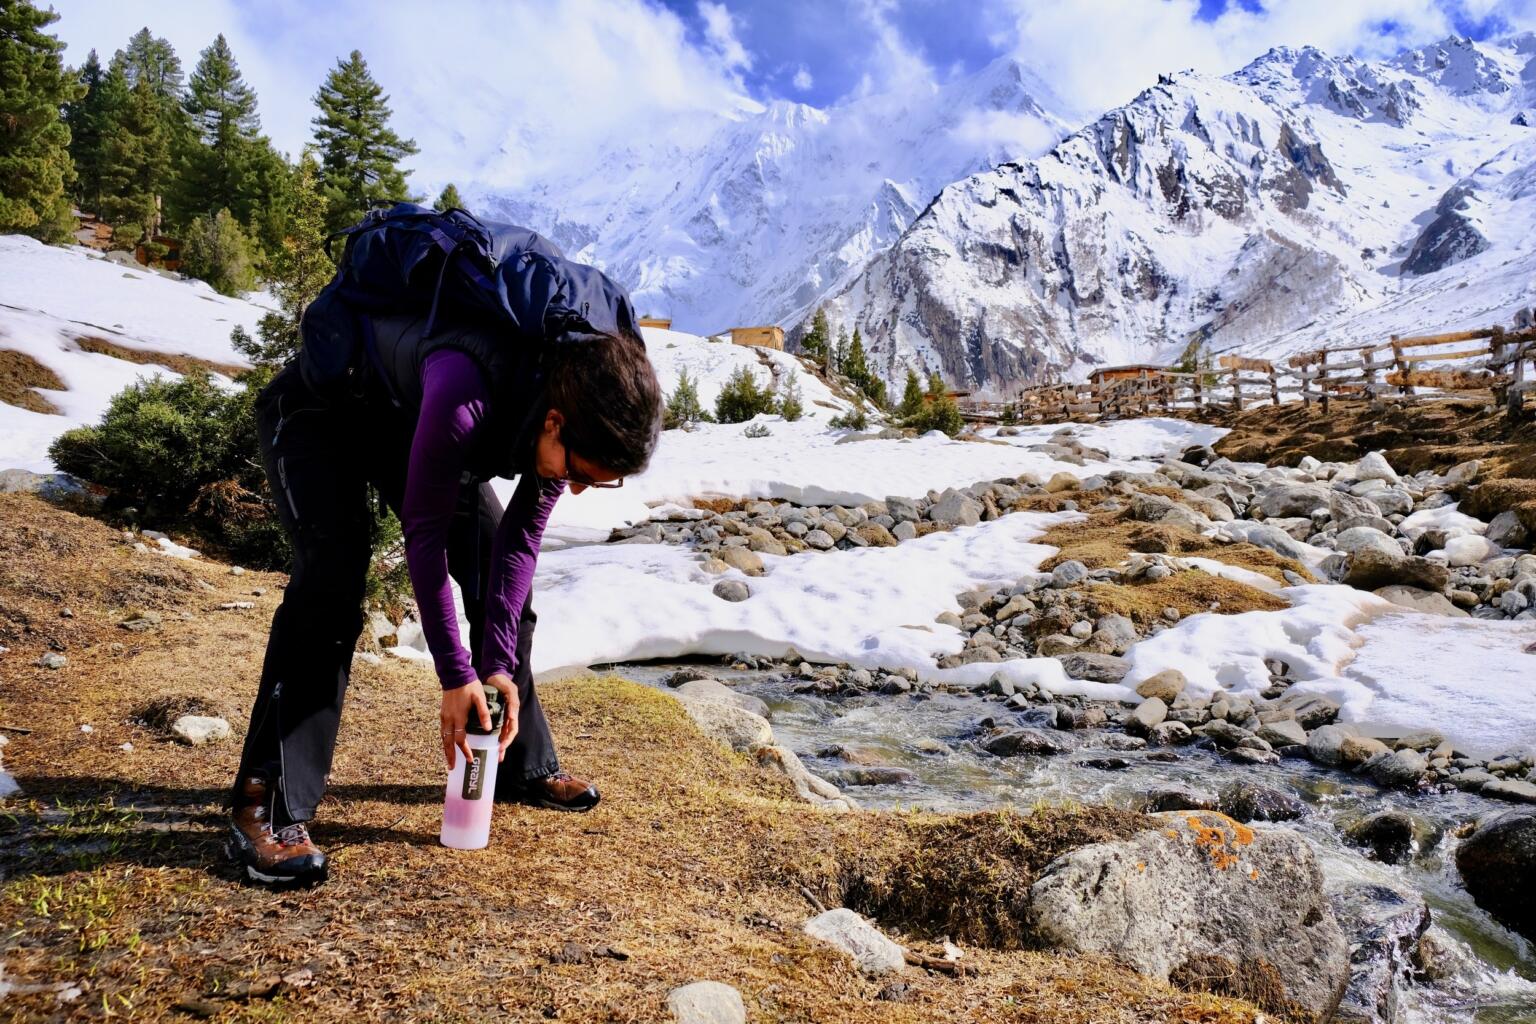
1301 200
751 214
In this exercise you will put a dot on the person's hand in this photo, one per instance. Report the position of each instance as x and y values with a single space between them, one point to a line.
511 704
458 705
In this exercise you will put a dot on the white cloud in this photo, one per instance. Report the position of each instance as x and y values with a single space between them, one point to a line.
1000 131
720 31
1100 53
803 80
490 90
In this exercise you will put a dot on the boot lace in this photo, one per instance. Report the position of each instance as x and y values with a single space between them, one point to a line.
292 835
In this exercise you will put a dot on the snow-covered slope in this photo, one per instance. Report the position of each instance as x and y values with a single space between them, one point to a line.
1303 198
51 297
751 215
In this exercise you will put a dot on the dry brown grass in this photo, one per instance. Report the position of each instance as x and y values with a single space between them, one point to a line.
176 361
691 868
19 375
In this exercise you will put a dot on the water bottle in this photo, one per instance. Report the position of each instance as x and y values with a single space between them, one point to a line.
472 782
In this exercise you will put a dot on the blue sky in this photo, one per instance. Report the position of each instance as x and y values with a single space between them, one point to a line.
513 89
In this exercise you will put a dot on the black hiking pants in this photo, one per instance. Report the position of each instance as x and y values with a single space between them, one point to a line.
320 460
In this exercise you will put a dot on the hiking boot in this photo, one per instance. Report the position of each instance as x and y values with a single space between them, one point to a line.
283 856
558 792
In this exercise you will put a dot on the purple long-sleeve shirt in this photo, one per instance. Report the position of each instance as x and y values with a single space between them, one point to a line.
453 411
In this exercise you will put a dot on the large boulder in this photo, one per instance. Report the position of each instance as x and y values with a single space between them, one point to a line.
713 689
1249 801
1358 538
867 945
1198 894
955 508
1281 501
1370 568
1503 849
727 724
1383 927
1420 600
706 1002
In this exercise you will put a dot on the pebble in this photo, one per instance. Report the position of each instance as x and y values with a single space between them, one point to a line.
732 590
52 660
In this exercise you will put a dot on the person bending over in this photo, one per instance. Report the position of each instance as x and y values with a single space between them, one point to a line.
436 418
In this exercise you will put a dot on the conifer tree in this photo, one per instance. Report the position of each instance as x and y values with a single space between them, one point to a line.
296 272
138 165
152 59
449 199
817 342
359 153
216 250
683 406
911 396
90 119
35 168
218 163
840 352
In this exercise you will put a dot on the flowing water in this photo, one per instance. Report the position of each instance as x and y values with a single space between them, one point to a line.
1494 975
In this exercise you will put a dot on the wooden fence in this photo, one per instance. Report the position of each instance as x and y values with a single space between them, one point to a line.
1491 362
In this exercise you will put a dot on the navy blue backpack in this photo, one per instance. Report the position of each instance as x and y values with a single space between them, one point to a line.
407 259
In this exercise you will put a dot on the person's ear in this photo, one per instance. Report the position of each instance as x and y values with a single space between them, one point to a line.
553 421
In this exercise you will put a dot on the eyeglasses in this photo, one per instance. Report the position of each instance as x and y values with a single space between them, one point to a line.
575 476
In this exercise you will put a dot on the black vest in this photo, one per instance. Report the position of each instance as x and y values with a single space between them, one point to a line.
511 372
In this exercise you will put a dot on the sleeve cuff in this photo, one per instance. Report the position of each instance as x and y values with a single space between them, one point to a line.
499 670
454 681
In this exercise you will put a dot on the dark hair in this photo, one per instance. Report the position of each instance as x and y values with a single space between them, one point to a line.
605 387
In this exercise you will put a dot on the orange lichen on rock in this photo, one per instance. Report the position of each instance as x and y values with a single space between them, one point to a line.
1221 841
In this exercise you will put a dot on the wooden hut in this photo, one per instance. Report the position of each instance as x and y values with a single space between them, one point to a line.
759 337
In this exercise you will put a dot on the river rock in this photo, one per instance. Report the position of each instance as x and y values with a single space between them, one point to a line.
1165 686
867 945
1224 733
1503 848
1356 750
1147 715
713 689
1507 531
955 508
904 530
1198 890
1177 798
732 590
1249 801
1280 501
1421 600
199 730
726 723
1369 569
1023 741
1167 734
1383 927
1100 668
1358 538
706 1002
1286 732
875 775
1068 573
745 559
1389 835
1512 790
1400 768
813 789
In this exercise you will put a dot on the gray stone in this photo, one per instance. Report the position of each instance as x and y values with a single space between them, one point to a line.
1147 715
1357 750
1368 569
199 730
1224 733
1283 733
1310 709
1374 466
812 789
903 510
1165 685
871 950
1023 741
1512 790
1389 835
1325 744
745 559
1503 848
1506 530
706 1002
1167 734
955 508
1176 798
1265 536
1281 500
732 590
1199 887
1249 801
821 540
1068 573
52 660
1099 668
1343 507
713 689
904 530
727 724
1422 600
1400 768
1358 538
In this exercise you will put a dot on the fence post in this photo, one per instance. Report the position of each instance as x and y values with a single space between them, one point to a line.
1274 386
1515 395
1402 366
1199 389
1237 391
1306 385
1322 379
1369 357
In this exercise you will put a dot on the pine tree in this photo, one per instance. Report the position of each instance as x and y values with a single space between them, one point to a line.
138 164
35 168
218 163
683 406
840 352
359 153
216 250
449 199
296 272
911 396
90 119
152 59
817 340
791 401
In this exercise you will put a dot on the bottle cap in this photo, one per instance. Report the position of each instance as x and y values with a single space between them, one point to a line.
494 706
